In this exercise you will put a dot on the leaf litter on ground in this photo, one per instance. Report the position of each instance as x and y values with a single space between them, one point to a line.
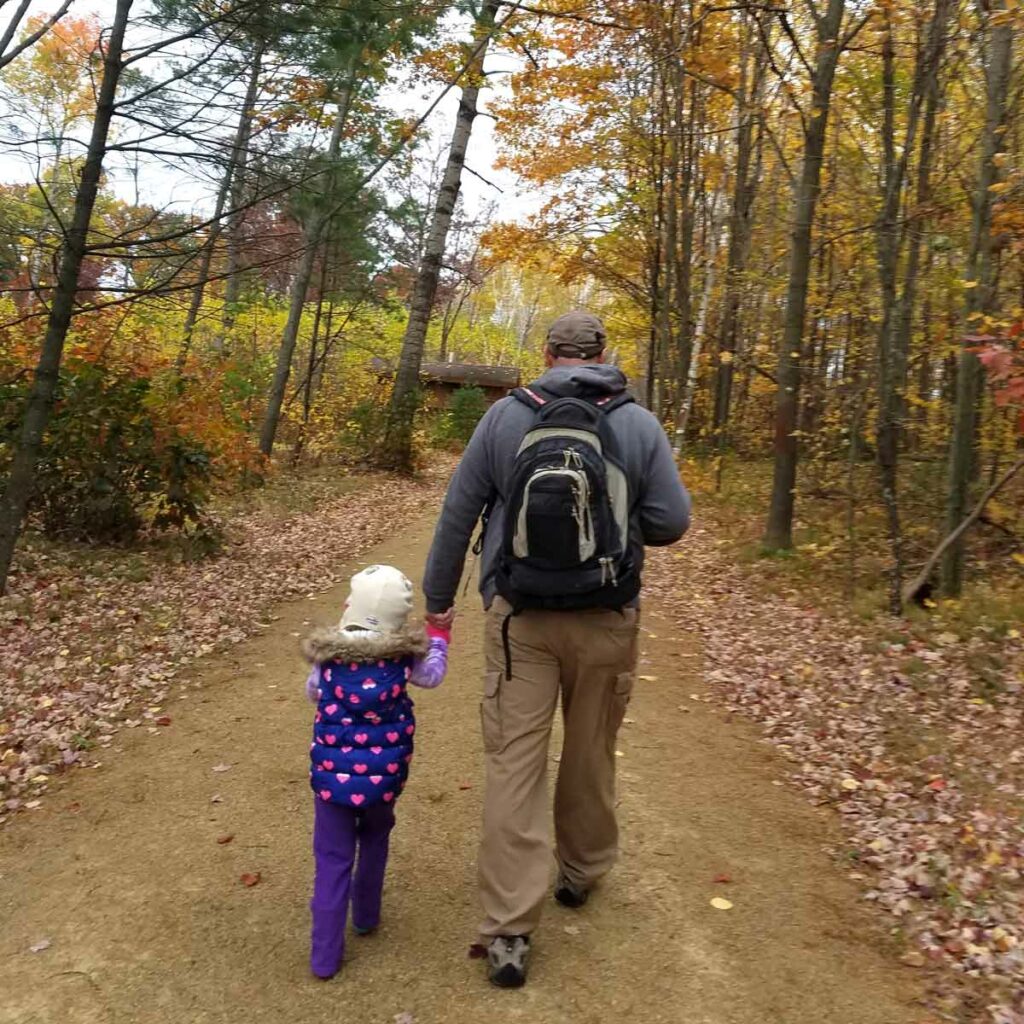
916 741
93 641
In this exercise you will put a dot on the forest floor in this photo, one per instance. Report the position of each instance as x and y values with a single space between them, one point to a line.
122 902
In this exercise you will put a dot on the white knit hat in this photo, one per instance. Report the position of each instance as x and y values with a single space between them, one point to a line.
380 600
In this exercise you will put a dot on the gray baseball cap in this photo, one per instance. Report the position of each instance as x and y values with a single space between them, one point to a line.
577 335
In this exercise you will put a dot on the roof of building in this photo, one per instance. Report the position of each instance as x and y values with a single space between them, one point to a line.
459 373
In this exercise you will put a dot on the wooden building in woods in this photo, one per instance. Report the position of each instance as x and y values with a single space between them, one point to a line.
440 380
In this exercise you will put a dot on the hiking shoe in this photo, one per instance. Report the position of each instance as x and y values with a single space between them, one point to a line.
364 931
570 895
506 960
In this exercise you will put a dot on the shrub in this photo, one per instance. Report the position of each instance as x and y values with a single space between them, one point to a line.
457 423
108 466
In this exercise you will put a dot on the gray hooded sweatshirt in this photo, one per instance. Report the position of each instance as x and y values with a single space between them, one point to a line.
661 504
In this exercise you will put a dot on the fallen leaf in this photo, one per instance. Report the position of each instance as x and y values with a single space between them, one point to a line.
850 784
465 785
913 959
405 1018
721 904
221 768
164 720
648 679
571 929
40 946
722 879
225 839
250 878
619 753
216 799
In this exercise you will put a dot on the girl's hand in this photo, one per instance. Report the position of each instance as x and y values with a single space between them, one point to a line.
441 620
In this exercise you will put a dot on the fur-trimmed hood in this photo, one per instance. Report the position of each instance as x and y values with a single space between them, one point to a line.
333 644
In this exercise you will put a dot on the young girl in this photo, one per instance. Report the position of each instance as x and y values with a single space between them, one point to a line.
362 746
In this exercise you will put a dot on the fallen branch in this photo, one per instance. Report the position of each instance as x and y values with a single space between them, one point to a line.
911 590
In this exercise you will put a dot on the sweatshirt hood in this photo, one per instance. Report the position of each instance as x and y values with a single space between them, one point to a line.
583 381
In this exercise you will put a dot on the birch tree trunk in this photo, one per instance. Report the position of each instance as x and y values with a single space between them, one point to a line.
745 185
779 528
39 408
397 448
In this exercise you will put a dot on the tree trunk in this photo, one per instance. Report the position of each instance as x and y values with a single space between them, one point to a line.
897 309
227 190
39 407
779 528
745 185
397 448
313 233
980 297
699 333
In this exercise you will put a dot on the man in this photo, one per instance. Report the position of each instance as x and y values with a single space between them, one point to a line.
560 590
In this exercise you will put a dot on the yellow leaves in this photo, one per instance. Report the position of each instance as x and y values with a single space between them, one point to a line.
720 903
968 284
1018 557
1000 186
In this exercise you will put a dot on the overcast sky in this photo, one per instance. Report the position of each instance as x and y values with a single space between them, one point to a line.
162 185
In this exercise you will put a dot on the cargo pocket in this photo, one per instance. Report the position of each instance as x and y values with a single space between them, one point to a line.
490 712
620 699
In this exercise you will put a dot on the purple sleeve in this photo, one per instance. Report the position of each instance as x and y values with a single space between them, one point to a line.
313 684
429 671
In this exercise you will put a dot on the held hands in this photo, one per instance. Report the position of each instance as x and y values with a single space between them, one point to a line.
441 620
430 670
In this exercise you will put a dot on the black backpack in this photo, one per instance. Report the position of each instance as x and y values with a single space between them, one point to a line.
566 541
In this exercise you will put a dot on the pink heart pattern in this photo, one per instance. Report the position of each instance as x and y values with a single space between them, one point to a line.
383 688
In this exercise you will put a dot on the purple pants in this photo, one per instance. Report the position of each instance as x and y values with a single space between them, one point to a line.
337 832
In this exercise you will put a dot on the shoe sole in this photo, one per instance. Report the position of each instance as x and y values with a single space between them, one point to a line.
507 977
571 900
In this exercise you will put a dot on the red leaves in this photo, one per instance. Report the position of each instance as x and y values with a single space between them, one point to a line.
722 879
251 878
163 720
1004 363
225 839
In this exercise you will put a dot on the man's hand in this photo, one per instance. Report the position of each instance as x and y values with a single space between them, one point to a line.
441 620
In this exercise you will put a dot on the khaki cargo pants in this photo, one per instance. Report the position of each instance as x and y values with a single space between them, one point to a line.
588 658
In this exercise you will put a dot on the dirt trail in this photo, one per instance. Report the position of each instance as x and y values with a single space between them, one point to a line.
149 923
